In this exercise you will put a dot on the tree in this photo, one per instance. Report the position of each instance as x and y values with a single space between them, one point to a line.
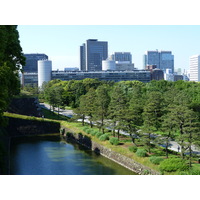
168 128
101 101
81 111
11 61
90 105
133 116
152 117
186 126
117 108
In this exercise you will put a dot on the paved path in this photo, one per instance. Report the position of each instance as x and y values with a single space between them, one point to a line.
69 113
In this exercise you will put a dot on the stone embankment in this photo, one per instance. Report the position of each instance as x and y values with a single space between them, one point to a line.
22 127
25 106
116 157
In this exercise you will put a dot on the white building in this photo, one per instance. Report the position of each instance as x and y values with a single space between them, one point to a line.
108 65
195 68
168 75
44 71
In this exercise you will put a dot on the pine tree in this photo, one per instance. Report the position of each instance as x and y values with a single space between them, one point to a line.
152 117
102 101
117 108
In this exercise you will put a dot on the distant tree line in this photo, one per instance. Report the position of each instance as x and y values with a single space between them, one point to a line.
171 110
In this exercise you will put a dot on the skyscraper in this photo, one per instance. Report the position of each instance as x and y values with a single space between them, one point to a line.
31 65
91 55
122 56
195 68
162 59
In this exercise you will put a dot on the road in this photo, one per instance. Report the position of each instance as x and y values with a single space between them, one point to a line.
69 113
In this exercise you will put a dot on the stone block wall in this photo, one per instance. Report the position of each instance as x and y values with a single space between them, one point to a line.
116 157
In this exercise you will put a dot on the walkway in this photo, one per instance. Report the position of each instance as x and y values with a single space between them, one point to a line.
69 113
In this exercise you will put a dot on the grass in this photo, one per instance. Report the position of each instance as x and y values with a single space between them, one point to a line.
13 115
50 115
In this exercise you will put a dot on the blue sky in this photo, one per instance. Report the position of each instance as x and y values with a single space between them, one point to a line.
61 42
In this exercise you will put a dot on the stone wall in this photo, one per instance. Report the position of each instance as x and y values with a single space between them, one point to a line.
19 127
116 157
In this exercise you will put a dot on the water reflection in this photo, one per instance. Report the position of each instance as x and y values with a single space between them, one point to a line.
51 156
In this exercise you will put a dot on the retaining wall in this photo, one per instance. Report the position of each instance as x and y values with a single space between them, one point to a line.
19 127
116 157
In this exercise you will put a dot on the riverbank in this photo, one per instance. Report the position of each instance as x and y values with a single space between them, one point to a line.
109 153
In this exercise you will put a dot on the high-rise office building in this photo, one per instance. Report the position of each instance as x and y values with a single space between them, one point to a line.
31 65
195 68
162 59
122 56
82 58
91 55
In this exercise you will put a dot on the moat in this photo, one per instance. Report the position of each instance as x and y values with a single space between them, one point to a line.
51 155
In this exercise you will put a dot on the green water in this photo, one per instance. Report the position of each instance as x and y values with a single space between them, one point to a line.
50 155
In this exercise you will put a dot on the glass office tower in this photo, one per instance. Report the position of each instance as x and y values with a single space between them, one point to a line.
31 65
162 59
122 56
91 55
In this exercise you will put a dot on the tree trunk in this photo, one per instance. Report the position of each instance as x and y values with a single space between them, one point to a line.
118 134
91 125
166 148
83 120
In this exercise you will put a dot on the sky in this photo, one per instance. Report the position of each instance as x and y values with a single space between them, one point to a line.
62 42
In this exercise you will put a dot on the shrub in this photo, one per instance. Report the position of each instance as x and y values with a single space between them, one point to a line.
85 129
141 152
191 172
89 131
114 141
173 164
104 137
156 160
93 132
158 152
132 149
98 134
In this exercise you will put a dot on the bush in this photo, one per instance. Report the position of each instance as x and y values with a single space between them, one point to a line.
93 132
190 172
98 134
156 160
173 164
85 129
89 131
104 137
158 152
114 141
133 149
141 152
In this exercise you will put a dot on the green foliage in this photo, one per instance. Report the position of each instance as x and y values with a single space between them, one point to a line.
85 129
11 59
104 137
133 148
158 152
114 141
99 134
141 152
174 164
156 160
93 132
89 131
190 172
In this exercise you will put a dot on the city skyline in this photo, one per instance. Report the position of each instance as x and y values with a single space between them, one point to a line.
62 42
